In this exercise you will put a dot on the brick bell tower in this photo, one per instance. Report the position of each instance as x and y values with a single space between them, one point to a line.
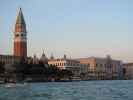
20 36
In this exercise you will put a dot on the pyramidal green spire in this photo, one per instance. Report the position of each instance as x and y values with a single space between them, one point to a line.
20 17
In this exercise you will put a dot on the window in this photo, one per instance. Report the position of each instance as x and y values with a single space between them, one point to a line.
17 35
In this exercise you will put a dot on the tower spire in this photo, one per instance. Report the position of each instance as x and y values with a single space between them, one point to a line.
20 22
20 36
52 56
20 18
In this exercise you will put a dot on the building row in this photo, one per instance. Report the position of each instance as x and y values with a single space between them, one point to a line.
91 67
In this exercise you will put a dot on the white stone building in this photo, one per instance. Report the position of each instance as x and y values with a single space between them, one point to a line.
73 65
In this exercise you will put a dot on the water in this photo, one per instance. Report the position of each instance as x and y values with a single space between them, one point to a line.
84 90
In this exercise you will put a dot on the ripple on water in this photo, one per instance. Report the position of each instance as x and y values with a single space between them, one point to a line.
87 90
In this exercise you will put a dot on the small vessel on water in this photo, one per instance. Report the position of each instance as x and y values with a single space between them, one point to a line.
13 83
76 78
10 85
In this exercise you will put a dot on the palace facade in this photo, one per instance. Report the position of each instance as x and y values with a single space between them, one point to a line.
128 70
103 68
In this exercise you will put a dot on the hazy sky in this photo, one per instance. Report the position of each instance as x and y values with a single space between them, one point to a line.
78 28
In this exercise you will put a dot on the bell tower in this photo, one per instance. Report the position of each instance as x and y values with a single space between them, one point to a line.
20 36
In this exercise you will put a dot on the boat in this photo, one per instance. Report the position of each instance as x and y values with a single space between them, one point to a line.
10 85
76 78
13 85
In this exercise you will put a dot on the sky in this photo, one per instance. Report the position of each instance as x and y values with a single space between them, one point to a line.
77 28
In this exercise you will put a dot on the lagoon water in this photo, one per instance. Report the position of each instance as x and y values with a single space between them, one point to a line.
84 90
